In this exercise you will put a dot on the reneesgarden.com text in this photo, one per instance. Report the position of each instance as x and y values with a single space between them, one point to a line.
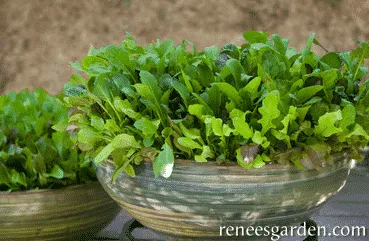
276 232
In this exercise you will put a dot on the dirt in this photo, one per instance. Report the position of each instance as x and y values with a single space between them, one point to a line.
38 38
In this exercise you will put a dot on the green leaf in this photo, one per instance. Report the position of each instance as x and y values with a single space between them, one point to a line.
296 161
242 128
125 141
240 159
327 124
231 50
301 113
124 85
282 137
272 64
256 37
266 78
76 79
217 127
163 163
289 118
4 156
190 133
329 82
230 92
348 117
118 56
187 81
313 100
202 102
126 107
166 47
281 45
269 111
332 59
104 153
56 172
97 122
76 66
149 80
236 69
103 88
111 126
240 125
146 126
60 127
39 165
147 93
212 52
60 139
88 136
189 143
117 172
95 65
130 171
307 49
198 110
206 153
4 175
307 93
18 178
252 88
182 90
227 130
361 54
260 140
358 130
205 77
258 162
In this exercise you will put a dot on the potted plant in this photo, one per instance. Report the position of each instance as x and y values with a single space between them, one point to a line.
190 141
48 188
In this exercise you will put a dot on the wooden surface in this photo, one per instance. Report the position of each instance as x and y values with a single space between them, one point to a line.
348 208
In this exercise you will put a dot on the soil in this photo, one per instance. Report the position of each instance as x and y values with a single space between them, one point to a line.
38 38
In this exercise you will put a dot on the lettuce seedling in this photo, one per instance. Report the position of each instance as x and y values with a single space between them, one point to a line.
255 104
36 151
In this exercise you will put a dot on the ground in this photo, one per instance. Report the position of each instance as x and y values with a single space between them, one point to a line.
38 38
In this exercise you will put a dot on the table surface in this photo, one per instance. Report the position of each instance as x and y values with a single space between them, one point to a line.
350 207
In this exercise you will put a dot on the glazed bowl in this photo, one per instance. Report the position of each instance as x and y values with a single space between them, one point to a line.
199 198
56 214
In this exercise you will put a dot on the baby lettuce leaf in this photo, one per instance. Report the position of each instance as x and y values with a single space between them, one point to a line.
163 163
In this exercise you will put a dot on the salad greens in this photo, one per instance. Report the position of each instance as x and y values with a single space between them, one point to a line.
35 149
255 104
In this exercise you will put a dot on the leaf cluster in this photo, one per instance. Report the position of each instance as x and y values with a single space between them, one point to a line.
35 149
258 103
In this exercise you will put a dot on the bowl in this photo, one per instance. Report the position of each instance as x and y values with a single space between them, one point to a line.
55 214
200 198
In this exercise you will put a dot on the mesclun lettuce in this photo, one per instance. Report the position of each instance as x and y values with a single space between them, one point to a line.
33 155
255 104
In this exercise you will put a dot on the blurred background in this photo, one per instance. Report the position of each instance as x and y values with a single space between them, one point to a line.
39 38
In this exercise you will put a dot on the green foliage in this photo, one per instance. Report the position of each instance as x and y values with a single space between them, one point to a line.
214 105
36 150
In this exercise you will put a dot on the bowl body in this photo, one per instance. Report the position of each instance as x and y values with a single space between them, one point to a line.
58 214
199 198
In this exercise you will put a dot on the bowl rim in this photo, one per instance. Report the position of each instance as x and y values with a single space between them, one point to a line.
236 166
342 159
49 191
